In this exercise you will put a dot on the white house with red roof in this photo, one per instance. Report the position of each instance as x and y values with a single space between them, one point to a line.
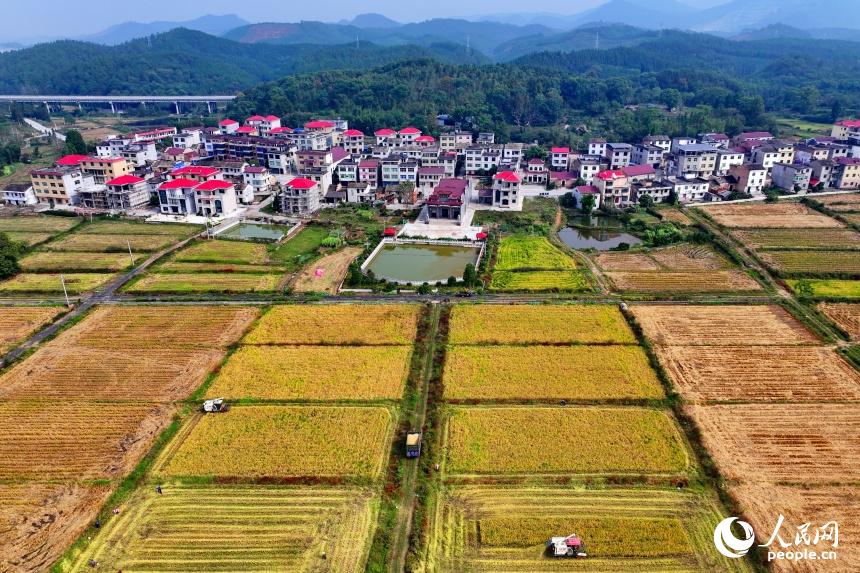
263 125
215 197
247 131
506 190
155 134
408 135
425 141
259 179
352 140
196 173
614 187
301 197
842 130
126 193
228 126
320 126
176 197
560 158
582 191
386 137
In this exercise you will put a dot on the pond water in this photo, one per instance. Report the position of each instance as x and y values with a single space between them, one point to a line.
595 221
600 239
255 232
422 263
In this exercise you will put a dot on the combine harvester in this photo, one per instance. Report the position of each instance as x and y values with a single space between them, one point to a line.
215 406
570 547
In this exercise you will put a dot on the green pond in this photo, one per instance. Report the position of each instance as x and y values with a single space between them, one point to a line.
422 263
255 232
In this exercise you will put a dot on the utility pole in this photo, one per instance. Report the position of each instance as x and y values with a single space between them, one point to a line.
127 242
65 292
597 40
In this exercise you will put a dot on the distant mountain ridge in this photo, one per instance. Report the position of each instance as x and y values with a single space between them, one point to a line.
214 25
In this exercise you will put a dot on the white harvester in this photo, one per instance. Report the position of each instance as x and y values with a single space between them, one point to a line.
216 405
571 547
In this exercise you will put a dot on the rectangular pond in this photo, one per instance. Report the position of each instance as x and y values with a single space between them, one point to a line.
418 264
255 232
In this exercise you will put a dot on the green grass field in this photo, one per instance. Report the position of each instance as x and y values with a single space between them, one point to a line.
531 253
829 288
305 243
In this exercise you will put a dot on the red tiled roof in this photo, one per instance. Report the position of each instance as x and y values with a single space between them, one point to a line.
179 184
425 138
508 176
431 171
606 175
561 150
562 175
588 190
255 118
338 153
213 185
252 169
409 130
385 131
174 151
271 118
634 170
281 130
848 160
755 135
318 124
301 183
368 164
353 133
227 122
71 159
196 170
535 161
246 129
125 180
849 123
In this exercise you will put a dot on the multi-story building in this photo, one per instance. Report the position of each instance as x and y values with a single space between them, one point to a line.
513 153
429 177
196 173
227 167
187 138
658 191
481 159
215 197
677 142
276 154
752 137
642 154
113 146
791 176
588 166
448 200
176 197
823 171
228 126
425 141
456 141
726 158
506 189
60 185
560 158
105 168
386 137
259 178
696 159
806 154
688 189
353 141
408 172
846 174
347 171
773 152
597 146
311 159
844 129
619 155
486 138
408 135
750 177
301 197
614 188
368 172
155 134
19 194
535 172
359 193
661 141
390 169
718 140
127 193
263 125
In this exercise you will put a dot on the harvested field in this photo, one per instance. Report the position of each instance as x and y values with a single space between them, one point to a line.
284 441
523 373
76 440
846 199
793 443
18 322
58 372
830 288
722 325
805 262
219 251
691 258
685 282
763 504
326 274
38 224
96 243
487 529
160 327
539 281
845 315
761 374
76 262
76 283
533 324
107 227
174 267
29 238
675 216
626 262
246 528
784 215
314 373
389 324
507 441
531 253
853 218
38 522
799 238
186 283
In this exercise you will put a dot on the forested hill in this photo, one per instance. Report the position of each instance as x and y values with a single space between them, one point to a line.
186 62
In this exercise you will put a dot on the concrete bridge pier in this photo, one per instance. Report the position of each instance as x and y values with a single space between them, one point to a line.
112 107
177 107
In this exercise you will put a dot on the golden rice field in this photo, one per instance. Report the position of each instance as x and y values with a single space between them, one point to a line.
538 324
721 325
314 373
799 238
29 238
37 224
539 281
522 373
76 440
531 253
176 267
487 529
626 262
186 283
32 283
109 227
389 324
813 261
99 243
829 288
845 315
236 528
284 441
218 251
691 258
563 440
55 261
675 216
684 282
783 215
853 218
18 322
39 521
846 199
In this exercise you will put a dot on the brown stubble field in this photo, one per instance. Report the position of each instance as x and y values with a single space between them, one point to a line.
784 215
845 315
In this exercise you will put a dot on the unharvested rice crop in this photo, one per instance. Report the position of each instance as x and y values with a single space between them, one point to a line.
489 528
76 283
675 216
160 327
549 373
595 440
761 374
76 262
722 325
853 218
17 322
691 258
76 440
285 441
44 224
818 506
789 443
813 261
218 251
29 238
799 238
558 281
174 267
626 262
775 215
846 199
314 373
326 274
58 372
97 243
538 324
685 282
830 288
845 315
236 528
179 283
389 324
531 253
105 227
38 522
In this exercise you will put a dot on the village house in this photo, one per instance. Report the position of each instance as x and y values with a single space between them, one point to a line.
353 141
642 154
619 155
597 146
61 184
614 188
751 178
560 158
726 158
176 196
259 179
535 172
791 176
19 194
823 171
390 169
844 129
689 189
582 191
228 126
693 159
506 189
215 197
718 140
347 171
754 137
408 135
227 167
429 177
187 138
661 141
846 174
301 197
369 172
448 200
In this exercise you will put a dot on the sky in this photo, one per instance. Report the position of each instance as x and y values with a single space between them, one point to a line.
81 17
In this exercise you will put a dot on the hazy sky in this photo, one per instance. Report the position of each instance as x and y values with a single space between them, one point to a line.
32 18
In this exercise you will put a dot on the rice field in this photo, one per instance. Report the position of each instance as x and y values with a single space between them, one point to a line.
29 238
819 261
626 262
828 288
50 283
799 238
18 322
676 216
845 315
539 281
57 261
104 243
684 282
783 215
531 253
676 258
113 227
190 283
37 224
219 251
